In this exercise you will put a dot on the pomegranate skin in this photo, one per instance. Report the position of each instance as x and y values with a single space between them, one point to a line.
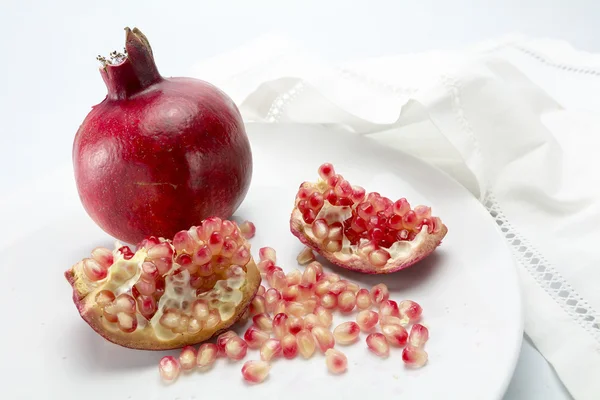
159 154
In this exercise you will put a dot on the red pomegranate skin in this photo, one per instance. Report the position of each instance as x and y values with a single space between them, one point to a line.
159 155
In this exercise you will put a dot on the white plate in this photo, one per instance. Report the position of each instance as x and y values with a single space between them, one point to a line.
468 289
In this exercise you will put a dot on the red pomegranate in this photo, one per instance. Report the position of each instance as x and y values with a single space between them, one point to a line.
362 232
158 154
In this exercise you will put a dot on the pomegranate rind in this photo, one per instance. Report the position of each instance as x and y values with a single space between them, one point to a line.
144 337
427 243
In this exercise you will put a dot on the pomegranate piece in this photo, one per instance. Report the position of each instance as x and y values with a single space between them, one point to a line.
255 371
289 346
418 335
362 232
160 146
187 358
305 256
346 332
207 355
414 357
367 320
247 229
377 343
270 349
196 300
168 367
336 361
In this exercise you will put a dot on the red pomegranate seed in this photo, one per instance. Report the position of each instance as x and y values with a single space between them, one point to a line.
310 304
194 326
365 211
309 216
94 270
418 335
363 299
305 256
414 357
346 332
149 270
326 171
422 212
281 307
322 288
270 349
236 348
162 250
104 298
127 322
379 257
170 319
336 232
290 293
346 301
306 343
146 306
289 346
261 291
389 308
278 281
410 310
304 193
318 268
330 196
272 297
254 337
263 322
315 201
295 324
295 308
145 288
222 340
264 265
213 320
401 207
215 242
358 194
241 256
207 355
329 301
202 255
293 277
310 321
389 320
320 229
255 371
183 241
168 368
337 287
228 248
332 181
187 358
409 220
258 305
336 361
103 256
247 229
367 320
280 325
351 286
396 335
126 252
378 344
379 293
267 253
333 246
324 338
324 316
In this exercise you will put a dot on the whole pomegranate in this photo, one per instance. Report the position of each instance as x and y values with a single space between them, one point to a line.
158 154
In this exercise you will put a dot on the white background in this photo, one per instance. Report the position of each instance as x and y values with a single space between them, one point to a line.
48 49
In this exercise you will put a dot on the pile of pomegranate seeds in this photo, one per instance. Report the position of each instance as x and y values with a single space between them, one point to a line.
294 317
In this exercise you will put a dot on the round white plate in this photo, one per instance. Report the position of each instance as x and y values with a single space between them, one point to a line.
467 287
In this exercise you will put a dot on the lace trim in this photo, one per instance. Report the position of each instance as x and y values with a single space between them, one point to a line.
528 257
282 101
548 62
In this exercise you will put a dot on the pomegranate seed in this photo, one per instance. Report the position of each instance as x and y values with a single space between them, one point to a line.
127 322
336 231
320 229
202 256
305 256
305 343
389 320
333 246
149 271
346 301
358 194
103 256
293 277
351 286
280 307
272 297
267 253
254 337
318 268
365 211
326 171
258 305
401 207
304 193
333 278
378 344
324 338
295 308
126 252
270 349
329 301
418 335
389 308
295 325
236 348
315 201
310 304
241 256
396 335
277 280
229 247
436 225
146 306
422 212
104 298
346 332
379 293
409 220
414 357
261 291
379 257
337 287
247 229
263 322
215 242
322 288
255 371
310 321
367 320
324 316
162 250
213 320
309 276
290 293
410 310
280 325
187 358
168 367
336 361
264 265
183 241
363 299
170 319
145 288
94 270
222 340
207 355
194 326
289 346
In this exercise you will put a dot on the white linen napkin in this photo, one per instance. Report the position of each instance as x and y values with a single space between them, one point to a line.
516 121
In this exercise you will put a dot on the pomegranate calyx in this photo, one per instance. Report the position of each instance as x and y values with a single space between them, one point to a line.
130 73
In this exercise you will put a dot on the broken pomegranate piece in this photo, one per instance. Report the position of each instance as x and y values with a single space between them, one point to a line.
168 293
363 232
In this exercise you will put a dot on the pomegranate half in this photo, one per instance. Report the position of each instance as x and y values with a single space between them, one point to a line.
168 293
158 154
359 231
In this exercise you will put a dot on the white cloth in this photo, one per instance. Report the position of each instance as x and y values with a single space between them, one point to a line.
516 121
